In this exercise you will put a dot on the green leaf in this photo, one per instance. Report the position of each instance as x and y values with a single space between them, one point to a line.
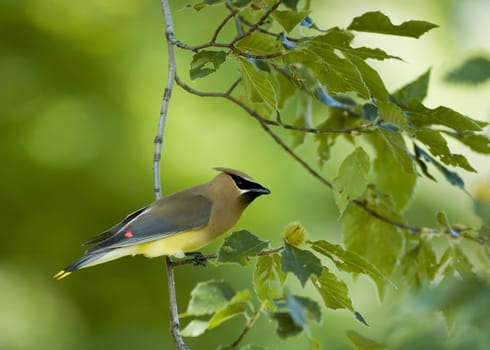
239 246
394 170
348 261
377 241
341 74
420 264
289 19
362 343
450 176
260 89
438 147
371 79
236 306
292 4
377 22
352 178
208 297
396 145
416 89
285 89
268 277
420 116
377 54
195 328
475 70
392 114
206 62
455 260
259 44
334 292
286 327
301 263
477 142
336 120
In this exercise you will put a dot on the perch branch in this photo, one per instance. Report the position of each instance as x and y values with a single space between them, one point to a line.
172 67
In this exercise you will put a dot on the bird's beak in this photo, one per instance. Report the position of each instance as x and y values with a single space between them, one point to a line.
261 190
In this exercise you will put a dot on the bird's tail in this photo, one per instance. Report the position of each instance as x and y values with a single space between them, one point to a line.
84 261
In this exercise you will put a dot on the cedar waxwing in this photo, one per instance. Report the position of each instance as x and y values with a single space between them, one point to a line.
177 224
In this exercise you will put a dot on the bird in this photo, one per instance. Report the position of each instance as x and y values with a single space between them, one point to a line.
177 224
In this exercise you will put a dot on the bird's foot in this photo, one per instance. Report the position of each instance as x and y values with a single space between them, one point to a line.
198 259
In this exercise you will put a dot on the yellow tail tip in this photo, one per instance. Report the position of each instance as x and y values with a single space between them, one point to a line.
60 275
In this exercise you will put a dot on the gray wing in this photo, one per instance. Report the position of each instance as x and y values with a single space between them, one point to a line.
114 229
170 215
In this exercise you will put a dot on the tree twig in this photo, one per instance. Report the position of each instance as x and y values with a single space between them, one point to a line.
249 325
172 67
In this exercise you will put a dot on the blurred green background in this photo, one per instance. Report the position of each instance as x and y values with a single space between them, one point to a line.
80 94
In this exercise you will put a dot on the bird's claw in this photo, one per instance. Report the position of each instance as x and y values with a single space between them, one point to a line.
198 259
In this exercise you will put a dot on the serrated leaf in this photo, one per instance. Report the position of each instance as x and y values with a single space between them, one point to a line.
352 178
195 328
377 22
239 246
416 89
391 113
285 325
450 176
420 116
333 291
438 147
206 62
393 168
260 89
268 277
378 242
208 297
348 261
475 70
477 142
259 43
362 343
289 19
377 54
235 307
301 263
370 77
347 73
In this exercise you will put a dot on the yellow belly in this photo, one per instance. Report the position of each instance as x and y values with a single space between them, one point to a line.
176 245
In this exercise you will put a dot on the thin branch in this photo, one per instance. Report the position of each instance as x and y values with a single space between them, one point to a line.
249 325
261 21
222 24
359 128
231 45
172 67
265 31
215 256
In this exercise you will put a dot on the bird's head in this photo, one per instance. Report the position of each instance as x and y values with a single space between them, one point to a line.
248 188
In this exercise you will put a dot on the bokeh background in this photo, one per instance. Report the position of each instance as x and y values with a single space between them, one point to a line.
81 84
